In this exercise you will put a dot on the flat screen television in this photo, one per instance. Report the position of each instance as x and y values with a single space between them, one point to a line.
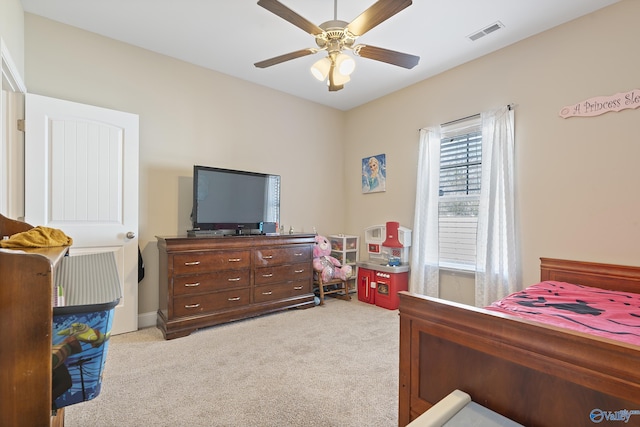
235 202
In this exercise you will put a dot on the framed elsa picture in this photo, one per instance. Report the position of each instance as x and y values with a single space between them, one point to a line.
374 174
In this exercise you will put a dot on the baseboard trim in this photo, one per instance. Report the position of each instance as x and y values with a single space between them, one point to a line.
146 320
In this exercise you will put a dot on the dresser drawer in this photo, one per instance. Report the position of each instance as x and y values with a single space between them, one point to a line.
282 273
208 282
281 290
189 305
202 262
279 256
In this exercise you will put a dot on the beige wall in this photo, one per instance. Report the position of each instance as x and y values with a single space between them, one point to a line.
12 31
190 115
577 179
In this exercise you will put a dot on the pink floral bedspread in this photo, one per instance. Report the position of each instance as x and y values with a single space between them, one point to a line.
610 314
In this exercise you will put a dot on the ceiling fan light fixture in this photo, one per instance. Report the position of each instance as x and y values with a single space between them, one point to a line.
345 64
320 69
339 79
336 36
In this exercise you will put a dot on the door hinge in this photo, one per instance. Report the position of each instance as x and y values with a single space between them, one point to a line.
21 125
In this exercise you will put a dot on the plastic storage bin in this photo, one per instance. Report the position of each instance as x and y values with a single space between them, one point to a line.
80 341
82 328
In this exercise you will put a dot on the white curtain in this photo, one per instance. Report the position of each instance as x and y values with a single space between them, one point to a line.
424 250
497 251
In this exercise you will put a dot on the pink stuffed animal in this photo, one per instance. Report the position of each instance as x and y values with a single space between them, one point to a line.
325 265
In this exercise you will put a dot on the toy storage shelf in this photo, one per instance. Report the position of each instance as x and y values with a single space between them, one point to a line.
344 248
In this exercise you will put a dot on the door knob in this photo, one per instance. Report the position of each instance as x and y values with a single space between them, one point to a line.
131 235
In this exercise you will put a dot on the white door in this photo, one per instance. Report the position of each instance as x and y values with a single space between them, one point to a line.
81 176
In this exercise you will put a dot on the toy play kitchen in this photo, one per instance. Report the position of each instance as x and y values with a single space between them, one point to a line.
387 271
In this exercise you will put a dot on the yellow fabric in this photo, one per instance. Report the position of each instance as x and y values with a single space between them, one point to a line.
37 237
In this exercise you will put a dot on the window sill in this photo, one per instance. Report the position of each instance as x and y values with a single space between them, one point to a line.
457 268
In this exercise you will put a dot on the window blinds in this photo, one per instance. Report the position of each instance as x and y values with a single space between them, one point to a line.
460 179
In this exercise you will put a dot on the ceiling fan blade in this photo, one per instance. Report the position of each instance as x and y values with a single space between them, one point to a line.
389 56
277 8
379 12
286 57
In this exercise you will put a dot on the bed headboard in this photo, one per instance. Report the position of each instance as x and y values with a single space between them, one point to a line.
606 276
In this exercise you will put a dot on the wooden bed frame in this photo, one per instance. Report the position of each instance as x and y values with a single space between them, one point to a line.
534 374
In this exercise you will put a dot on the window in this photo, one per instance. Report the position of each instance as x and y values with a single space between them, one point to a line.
470 201
459 192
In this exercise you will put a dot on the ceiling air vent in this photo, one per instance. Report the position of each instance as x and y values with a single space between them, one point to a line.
485 31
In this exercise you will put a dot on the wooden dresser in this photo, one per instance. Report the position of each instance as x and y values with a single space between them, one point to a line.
26 288
206 281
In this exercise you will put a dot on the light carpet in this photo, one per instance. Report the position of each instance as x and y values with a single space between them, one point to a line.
330 365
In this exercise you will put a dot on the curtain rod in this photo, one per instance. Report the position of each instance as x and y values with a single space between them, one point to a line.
510 106
460 120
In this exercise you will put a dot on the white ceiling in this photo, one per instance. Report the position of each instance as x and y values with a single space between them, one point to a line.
229 36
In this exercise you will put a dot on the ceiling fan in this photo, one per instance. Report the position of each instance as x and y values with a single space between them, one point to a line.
336 36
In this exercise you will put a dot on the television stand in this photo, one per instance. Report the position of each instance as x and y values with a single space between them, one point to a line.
209 280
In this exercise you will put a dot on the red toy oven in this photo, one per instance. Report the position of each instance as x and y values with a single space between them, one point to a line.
380 284
387 287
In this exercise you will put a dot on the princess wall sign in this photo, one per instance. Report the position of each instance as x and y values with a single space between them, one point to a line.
602 104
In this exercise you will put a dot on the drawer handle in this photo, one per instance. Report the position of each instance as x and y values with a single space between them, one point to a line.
299 271
268 275
267 257
192 285
192 263
233 299
233 279
298 254
297 288
192 306
235 259
267 293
